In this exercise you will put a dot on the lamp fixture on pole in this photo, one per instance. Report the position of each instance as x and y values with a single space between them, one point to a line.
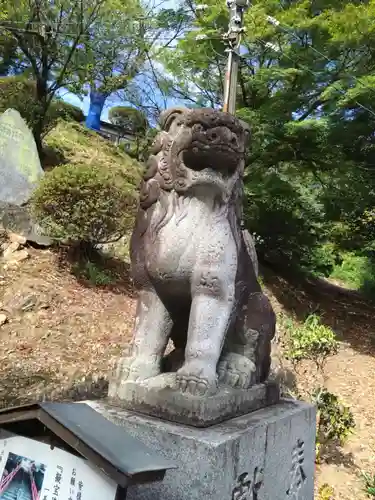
233 37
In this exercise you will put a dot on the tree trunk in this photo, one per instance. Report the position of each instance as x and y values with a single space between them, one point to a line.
97 101
40 114
37 132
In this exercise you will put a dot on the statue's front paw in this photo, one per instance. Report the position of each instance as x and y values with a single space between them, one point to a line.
197 379
137 368
236 371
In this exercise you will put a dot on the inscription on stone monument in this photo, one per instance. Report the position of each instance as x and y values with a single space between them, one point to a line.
246 488
20 167
298 475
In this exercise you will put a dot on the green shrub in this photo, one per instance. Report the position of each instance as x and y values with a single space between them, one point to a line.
352 270
316 342
312 340
356 272
369 481
335 420
19 93
93 273
130 119
323 259
65 111
290 225
84 203
326 492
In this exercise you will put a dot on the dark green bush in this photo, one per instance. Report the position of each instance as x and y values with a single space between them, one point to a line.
312 340
369 484
65 111
131 120
19 93
289 224
335 420
84 204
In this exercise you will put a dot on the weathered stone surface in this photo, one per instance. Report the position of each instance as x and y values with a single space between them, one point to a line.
13 253
3 319
266 455
193 265
18 220
17 238
20 167
158 397
10 248
20 171
31 296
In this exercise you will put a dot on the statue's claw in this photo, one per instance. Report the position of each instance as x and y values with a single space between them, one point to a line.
197 379
138 368
236 371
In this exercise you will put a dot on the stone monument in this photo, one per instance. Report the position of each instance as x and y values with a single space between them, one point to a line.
20 167
20 171
209 404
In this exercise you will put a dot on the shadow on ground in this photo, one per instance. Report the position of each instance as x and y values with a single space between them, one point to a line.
347 312
333 453
77 391
112 274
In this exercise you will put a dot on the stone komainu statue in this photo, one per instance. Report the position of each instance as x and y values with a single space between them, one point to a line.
191 262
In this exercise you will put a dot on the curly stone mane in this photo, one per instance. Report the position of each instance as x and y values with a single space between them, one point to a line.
167 179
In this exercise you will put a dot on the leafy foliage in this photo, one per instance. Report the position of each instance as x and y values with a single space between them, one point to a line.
306 88
84 203
335 420
93 273
369 481
19 93
131 120
114 50
66 111
326 492
312 340
49 37
316 342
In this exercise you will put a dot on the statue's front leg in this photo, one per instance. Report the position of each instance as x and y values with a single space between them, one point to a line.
150 337
212 303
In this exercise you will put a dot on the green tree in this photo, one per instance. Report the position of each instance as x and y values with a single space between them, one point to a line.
8 53
306 88
131 121
122 42
49 37
114 48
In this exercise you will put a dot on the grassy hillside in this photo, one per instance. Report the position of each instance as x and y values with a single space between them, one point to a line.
73 143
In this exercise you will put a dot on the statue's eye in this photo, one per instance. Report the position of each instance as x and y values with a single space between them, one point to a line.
198 128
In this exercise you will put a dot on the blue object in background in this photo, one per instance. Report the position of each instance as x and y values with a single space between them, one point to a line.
97 100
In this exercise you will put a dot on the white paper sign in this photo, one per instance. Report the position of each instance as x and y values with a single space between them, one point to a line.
30 470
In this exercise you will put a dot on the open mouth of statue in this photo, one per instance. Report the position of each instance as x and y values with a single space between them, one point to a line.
198 147
218 157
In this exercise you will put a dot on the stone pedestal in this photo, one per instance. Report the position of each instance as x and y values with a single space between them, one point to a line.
156 397
265 455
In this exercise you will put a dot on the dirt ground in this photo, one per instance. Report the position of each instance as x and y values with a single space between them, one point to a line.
350 373
62 337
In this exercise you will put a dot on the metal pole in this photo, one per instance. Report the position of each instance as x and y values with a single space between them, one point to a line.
236 11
